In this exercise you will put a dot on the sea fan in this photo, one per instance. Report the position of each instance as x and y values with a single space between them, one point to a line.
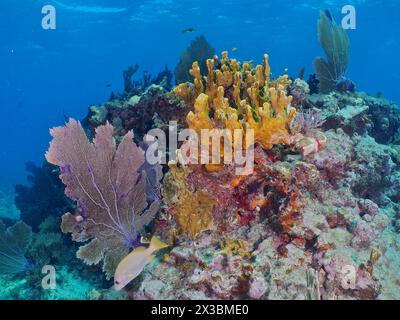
13 243
199 50
335 42
109 185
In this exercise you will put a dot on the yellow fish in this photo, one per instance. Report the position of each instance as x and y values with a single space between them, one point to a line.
133 264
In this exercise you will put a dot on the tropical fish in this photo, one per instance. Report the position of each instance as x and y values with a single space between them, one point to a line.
133 264
188 30
234 49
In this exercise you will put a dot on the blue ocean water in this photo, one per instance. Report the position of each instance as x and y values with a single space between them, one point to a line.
46 74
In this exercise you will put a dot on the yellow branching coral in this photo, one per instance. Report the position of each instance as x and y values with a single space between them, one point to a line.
192 210
235 96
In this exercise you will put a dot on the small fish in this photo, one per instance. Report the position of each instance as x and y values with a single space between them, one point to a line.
188 30
133 264
108 85
234 49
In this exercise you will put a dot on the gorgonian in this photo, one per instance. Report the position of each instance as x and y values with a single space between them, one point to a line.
108 183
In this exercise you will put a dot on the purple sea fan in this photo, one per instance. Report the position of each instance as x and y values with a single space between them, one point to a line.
109 186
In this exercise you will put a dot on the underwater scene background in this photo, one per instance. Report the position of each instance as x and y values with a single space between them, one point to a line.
88 217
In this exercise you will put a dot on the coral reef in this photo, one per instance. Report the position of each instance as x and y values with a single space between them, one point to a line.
295 227
317 218
113 208
297 246
359 113
133 88
299 90
154 108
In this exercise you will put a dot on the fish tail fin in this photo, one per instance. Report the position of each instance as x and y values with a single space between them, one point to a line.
156 244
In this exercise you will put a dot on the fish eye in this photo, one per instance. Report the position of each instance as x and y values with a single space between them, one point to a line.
116 282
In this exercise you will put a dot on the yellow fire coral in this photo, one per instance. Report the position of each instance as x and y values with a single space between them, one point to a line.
192 210
193 213
239 96
236 247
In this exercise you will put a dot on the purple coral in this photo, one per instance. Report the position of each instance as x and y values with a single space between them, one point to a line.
309 120
110 188
344 84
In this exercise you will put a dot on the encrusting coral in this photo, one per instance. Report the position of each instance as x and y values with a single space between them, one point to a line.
193 209
239 96
109 186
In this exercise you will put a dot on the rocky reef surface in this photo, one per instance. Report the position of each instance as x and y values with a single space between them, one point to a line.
346 219
319 217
